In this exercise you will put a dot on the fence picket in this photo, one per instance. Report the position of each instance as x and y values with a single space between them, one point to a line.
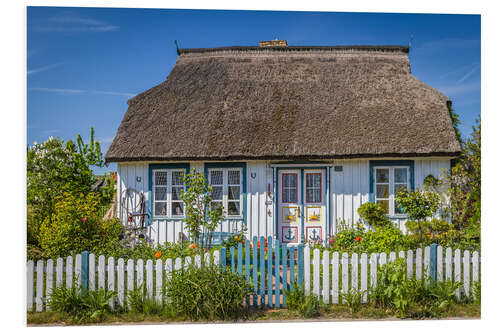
335 278
178 264
187 263
206 259
49 280
364 277
401 254
159 280
439 263
392 256
91 271
345 273
475 268
292 267
300 264
270 271
255 267
30 271
467 273
120 283
316 264
427 261
307 270
326 277
262 268
197 260
78 269
140 275
59 272
240 258
149 278
69 272
284 261
216 257
354 271
232 254
418 264
101 277
277 284
111 279
168 268
457 270
373 270
448 264
247 260
39 285
130 277
409 264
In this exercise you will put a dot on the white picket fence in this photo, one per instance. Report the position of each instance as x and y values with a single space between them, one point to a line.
336 274
328 274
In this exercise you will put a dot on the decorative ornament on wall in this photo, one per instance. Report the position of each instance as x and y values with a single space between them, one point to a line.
253 175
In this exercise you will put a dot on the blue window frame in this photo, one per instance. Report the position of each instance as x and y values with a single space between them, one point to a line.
386 178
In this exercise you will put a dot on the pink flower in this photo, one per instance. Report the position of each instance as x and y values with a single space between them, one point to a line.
84 219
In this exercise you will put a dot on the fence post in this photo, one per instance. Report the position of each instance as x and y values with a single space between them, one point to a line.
222 261
85 271
433 262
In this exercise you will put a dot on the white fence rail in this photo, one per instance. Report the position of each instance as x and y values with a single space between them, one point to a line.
326 275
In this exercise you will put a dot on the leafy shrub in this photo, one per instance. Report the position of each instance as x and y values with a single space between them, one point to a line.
76 226
476 291
383 240
373 214
352 298
208 292
89 306
140 303
296 300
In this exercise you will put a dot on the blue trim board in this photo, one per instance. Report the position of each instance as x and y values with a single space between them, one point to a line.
241 165
388 163
160 166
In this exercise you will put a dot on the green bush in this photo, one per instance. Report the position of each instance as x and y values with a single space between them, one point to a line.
89 306
208 292
383 240
373 214
76 226
138 302
296 300
352 298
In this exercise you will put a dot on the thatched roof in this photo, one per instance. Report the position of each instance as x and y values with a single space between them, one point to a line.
295 102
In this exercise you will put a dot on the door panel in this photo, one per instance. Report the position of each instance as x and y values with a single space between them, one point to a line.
301 205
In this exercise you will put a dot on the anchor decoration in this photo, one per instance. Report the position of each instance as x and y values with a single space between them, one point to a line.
313 234
289 234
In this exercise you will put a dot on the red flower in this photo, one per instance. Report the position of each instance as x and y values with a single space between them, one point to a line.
84 219
332 240
358 239
158 254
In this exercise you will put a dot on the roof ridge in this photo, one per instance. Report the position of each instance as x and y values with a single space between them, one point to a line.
372 48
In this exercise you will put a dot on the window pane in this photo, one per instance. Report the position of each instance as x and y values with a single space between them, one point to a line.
233 208
177 178
398 187
214 205
233 177
216 192
290 180
313 195
383 191
161 178
382 175
177 209
400 175
397 209
313 180
289 195
216 177
384 204
160 193
176 193
233 193
160 208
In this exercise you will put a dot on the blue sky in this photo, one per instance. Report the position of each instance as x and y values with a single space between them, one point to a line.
83 64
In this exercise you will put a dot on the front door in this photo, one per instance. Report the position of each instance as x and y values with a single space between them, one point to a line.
301 205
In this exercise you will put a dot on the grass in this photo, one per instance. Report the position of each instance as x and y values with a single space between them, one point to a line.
327 312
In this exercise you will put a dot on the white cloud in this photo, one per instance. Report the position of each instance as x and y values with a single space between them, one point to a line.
468 74
41 69
69 22
80 91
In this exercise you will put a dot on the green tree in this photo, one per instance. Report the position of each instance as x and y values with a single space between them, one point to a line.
419 205
54 168
201 214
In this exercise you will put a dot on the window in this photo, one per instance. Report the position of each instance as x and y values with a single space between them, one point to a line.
313 187
227 190
388 181
289 192
167 187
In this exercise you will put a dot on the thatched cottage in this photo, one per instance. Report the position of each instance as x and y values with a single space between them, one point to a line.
293 139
